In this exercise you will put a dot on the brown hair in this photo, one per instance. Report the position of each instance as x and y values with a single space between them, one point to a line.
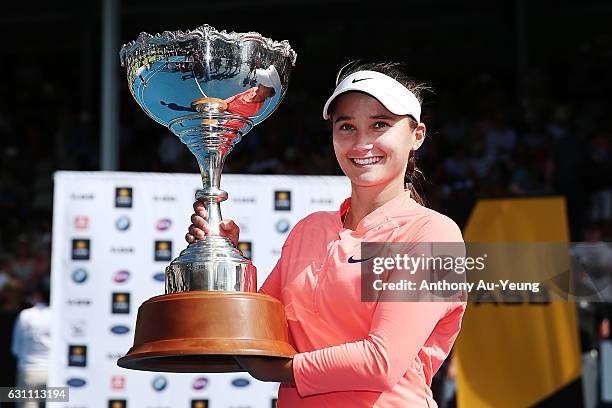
394 70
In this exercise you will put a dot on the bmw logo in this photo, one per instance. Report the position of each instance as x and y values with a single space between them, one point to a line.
160 277
200 383
79 275
122 223
159 383
76 382
121 276
240 382
283 225
120 329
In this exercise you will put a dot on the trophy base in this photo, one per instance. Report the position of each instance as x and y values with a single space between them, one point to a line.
201 332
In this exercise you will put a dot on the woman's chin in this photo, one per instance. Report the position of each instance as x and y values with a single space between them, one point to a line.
368 182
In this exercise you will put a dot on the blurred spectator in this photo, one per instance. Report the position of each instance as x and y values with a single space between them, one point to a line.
567 175
23 264
32 342
500 137
6 276
599 177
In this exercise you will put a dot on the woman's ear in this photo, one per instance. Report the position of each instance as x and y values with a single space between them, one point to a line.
419 136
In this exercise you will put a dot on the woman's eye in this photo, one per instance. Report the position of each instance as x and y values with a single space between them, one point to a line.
380 125
346 126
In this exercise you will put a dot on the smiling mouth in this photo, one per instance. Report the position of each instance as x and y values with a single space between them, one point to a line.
366 161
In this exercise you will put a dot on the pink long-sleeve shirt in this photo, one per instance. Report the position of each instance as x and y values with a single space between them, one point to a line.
353 353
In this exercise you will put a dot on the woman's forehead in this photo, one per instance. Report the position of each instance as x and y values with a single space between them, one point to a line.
356 104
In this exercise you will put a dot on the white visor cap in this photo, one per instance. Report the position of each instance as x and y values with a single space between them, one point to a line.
268 77
392 94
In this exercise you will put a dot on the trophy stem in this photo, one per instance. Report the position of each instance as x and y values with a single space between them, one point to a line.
210 136
211 166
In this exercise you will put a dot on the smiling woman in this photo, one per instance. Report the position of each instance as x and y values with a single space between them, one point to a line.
402 98
351 352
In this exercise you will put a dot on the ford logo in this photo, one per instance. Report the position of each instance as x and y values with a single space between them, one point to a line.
159 383
160 277
121 276
200 383
79 275
163 224
240 382
76 382
119 329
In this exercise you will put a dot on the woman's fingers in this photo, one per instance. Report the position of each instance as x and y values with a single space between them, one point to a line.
199 227
198 221
197 232
200 210
231 230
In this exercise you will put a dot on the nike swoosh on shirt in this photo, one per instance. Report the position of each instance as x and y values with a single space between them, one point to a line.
357 80
352 260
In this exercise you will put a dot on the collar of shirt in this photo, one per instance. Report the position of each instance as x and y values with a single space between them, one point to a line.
377 217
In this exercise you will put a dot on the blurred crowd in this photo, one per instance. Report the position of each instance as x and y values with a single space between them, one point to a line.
487 137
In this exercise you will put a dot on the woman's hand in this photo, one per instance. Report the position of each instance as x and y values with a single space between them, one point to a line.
273 369
199 227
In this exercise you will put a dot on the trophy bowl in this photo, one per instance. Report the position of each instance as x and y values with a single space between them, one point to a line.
209 88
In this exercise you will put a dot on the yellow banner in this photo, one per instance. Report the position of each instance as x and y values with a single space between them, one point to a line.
514 355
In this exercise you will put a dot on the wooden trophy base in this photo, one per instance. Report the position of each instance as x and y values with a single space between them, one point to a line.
201 331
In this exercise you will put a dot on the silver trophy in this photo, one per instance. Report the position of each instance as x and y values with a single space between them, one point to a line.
209 88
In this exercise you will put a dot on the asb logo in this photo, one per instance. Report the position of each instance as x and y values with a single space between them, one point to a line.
76 382
82 196
122 250
79 275
121 276
199 383
167 198
282 226
123 223
78 302
241 382
163 250
119 329
117 382
246 248
199 403
120 303
81 222
321 201
159 383
282 200
77 356
117 403
123 197
159 277
80 249
163 224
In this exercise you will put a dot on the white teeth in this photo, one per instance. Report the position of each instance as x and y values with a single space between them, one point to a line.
369 160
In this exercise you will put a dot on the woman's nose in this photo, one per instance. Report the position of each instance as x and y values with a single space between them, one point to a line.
363 142
363 146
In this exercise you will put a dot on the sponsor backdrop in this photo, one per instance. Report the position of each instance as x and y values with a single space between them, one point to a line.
113 235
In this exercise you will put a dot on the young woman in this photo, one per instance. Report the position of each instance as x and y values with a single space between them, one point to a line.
353 353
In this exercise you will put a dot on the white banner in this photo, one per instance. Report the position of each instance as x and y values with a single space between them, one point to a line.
113 235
